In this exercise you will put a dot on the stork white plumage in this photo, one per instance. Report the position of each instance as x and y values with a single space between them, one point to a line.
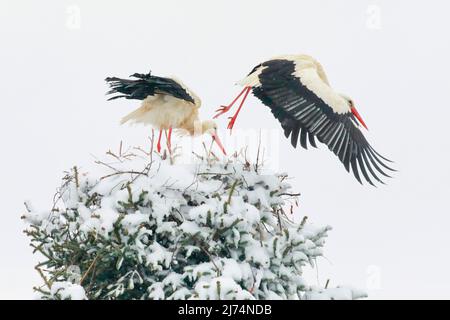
297 91
166 104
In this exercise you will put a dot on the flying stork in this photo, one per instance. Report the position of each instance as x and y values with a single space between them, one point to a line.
297 91
166 104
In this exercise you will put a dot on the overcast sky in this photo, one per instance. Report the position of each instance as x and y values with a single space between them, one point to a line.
391 57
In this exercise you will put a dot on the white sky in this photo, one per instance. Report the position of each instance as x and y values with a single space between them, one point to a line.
390 56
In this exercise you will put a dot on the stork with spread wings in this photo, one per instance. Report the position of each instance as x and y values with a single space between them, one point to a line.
298 93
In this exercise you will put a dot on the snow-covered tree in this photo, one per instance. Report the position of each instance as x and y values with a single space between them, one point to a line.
142 227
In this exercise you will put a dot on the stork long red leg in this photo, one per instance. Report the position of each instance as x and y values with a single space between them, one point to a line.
233 119
158 146
224 109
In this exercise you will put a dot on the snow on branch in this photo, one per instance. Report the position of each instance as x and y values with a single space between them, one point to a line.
141 227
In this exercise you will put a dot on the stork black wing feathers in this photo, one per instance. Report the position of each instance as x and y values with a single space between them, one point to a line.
146 85
304 116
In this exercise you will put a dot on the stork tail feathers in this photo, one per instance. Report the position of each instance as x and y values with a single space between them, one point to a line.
145 85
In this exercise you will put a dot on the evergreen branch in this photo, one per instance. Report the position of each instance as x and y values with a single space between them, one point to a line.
120 241
46 281
233 187
89 268
75 170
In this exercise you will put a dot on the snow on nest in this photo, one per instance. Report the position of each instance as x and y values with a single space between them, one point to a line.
206 230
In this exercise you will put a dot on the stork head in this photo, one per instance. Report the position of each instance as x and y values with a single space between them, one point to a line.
353 109
210 127
348 99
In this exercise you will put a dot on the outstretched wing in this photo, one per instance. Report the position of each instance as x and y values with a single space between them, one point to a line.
292 96
146 85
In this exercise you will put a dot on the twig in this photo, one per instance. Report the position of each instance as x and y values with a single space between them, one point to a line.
91 283
206 150
233 187
27 206
47 283
201 243
152 145
174 251
289 194
257 154
211 259
142 150
75 169
179 221
197 155
146 170
107 165
214 155
214 173
89 268
265 227
122 172
303 221
279 220
109 152
40 290
326 284
285 215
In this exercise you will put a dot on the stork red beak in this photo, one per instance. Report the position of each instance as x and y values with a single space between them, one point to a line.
216 139
358 116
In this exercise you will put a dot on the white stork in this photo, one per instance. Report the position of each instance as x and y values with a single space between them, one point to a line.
166 104
299 95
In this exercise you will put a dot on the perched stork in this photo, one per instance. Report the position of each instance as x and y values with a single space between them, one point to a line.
298 93
166 104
